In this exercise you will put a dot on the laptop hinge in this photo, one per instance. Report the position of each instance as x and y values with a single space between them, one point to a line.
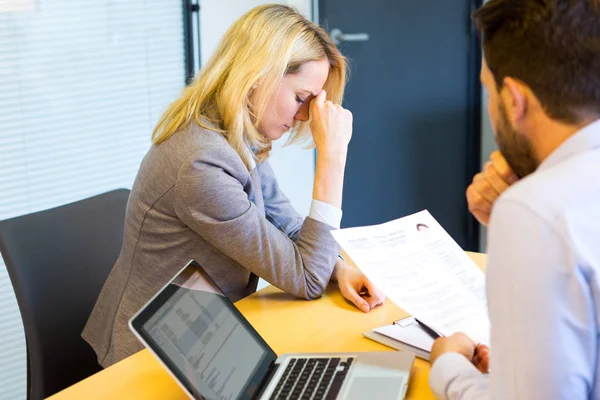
265 382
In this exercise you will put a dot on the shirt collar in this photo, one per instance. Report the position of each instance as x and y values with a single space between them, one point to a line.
585 139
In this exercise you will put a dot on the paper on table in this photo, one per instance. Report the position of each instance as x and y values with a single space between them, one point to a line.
422 269
411 335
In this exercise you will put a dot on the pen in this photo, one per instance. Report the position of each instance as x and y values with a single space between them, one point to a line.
427 329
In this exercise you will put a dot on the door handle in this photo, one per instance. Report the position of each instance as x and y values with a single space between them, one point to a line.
338 36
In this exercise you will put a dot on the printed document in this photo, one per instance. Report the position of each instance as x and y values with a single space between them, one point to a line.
420 268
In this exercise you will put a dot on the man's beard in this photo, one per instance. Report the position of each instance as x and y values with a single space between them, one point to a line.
515 147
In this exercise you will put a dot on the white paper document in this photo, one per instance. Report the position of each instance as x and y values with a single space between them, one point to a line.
411 335
424 271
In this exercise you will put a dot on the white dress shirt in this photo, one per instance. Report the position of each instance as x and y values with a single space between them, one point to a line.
326 213
542 286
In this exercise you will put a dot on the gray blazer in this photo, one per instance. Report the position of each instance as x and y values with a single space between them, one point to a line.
194 198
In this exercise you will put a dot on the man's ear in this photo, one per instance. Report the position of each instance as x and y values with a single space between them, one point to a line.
514 97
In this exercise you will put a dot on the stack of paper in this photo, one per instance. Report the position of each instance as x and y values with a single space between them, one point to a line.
423 270
404 334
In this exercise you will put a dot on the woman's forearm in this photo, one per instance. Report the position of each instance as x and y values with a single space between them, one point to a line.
329 178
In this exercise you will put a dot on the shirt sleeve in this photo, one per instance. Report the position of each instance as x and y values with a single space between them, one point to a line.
326 213
543 338
454 377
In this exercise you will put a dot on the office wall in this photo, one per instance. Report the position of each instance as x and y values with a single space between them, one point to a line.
293 165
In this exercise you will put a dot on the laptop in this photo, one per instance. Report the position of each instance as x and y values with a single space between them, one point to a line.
213 352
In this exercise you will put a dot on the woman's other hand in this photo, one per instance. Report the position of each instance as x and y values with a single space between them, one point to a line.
356 288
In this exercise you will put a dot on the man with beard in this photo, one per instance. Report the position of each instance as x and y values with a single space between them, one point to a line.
542 75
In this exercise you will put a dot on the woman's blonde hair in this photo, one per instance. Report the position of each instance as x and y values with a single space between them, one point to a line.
255 54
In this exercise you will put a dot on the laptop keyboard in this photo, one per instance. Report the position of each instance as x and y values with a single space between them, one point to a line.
312 379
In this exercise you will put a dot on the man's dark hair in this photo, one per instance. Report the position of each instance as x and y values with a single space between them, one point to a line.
553 46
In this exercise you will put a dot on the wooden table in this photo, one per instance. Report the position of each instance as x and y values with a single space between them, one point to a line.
287 324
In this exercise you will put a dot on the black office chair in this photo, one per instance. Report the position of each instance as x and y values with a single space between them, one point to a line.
58 260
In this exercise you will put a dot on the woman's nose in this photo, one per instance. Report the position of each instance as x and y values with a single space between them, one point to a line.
302 114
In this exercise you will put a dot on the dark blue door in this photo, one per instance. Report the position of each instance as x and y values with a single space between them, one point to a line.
414 94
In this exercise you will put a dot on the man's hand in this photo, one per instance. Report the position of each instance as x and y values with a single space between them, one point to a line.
487 185
356 288
457 343
482 358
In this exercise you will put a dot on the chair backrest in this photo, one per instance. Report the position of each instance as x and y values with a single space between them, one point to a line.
58 261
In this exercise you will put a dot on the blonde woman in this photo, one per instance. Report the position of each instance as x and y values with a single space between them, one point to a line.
205 189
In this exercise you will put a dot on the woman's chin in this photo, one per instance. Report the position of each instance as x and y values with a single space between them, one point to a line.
274 135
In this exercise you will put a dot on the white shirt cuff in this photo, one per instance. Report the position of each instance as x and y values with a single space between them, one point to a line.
455 369
326 213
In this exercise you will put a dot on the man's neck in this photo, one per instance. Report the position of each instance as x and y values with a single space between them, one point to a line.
550 134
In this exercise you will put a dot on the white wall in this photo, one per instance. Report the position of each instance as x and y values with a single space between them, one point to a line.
293 165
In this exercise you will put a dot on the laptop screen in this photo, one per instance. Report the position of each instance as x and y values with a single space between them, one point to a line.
203 339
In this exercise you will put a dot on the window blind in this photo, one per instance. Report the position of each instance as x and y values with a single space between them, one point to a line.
82 85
